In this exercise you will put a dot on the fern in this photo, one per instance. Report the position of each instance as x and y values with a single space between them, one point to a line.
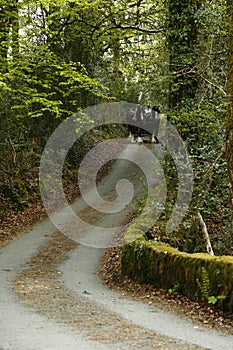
205 288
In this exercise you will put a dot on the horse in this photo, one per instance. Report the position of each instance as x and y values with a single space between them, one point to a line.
142 125
134 119
155 121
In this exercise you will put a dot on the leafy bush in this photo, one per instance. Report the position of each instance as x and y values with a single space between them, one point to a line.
203 132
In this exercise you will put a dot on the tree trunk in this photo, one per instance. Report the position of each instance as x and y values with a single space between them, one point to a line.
229 121
182 31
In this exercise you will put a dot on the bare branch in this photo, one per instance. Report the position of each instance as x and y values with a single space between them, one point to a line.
211 83
205 234
136 28
13 151
200 74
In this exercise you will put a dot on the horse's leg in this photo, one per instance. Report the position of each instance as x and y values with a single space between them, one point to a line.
157 121
154 131
130 137
129 134
132 134
139 140
152 138
132 140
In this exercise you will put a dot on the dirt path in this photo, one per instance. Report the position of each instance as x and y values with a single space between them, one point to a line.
52 298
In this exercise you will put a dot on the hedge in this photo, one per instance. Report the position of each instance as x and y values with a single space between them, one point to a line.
200 276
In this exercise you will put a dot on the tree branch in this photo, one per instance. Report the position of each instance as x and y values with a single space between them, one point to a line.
136 28
12 149
205 234
193 71
211 83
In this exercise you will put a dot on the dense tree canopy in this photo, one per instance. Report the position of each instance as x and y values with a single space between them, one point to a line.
58 57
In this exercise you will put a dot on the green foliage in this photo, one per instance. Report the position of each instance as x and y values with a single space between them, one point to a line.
164 266
19 177
176 288
204 135
204 285
70 55
213 300
43 85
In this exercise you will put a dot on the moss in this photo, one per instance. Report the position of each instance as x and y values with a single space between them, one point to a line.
164 266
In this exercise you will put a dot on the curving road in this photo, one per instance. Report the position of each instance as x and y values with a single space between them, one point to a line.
22 328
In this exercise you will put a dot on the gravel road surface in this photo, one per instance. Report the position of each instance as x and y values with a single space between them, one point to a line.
108 320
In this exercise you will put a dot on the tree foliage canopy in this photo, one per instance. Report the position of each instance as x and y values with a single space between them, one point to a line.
59 57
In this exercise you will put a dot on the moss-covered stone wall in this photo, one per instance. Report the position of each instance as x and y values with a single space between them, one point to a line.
200 277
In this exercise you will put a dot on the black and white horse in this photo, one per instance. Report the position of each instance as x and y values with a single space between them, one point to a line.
133 121
143 124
